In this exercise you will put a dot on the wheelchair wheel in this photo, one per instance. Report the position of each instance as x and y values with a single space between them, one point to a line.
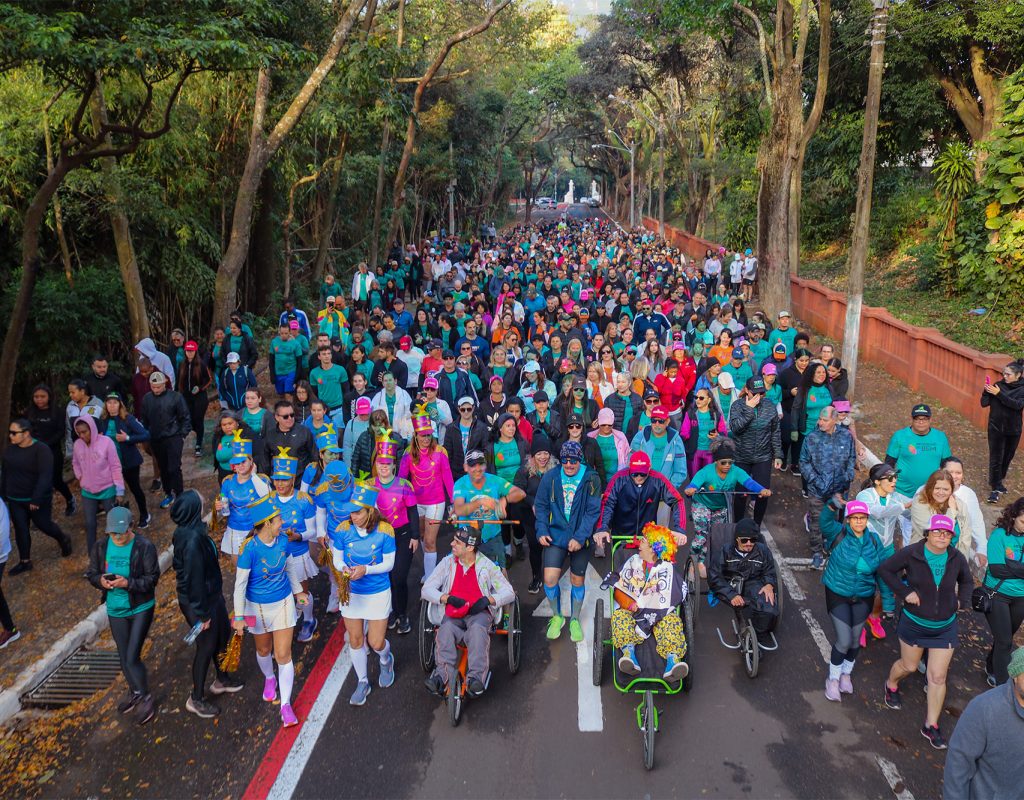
779 592
427 634
515 637
648 727
751 652
692 577
455 700
688 625
600 635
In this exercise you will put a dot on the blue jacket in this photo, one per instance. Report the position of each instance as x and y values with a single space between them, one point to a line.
827 462
852 563
128 452
626 507
674 467
549 508
233 386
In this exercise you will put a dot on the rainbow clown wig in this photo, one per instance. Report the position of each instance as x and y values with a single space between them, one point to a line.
661 541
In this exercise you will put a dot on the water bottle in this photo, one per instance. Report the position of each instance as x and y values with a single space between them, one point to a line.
192 635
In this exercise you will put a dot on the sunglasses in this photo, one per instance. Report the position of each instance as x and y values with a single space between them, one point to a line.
574 425
579 391
745 540
650 401
659 421
465 408
570 461
286 416
15 433
725 462
888 478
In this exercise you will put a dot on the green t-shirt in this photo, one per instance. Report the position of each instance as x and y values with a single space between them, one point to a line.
917 457
389 401
1004 548
286 355
507 459
740 374
254 420
609 455
761 350
936 563
774 394
786 337
627 414
708 479
494 487
328 383
659 445
705 424
724 401
118 562
818 397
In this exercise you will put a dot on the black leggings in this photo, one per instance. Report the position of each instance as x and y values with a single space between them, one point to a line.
400 574
197 404
168 457
530 530
5 611
21 515
1004 619
208 644
1002 448
134 484
58 472
848 615
129 635
760 471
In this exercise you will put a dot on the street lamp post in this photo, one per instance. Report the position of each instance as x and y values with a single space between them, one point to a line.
631 149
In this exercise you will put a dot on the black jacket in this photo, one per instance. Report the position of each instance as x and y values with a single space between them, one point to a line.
756 431
299 440
196 562
396 368
478 437
165 415
937 602
617 403
143 569
757 568
553 427
101 387
1004 409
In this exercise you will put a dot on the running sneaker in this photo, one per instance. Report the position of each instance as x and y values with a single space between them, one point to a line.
845 684
128 702
832 690
990 679
555 627
474 687
144 523
6 637
795 470
435 685
65 547
627 661
863 637
818 561
20 567
675 669
226 685
1002 489
934 736
198 452
359 696
201 708
270 689
993 496
307 630
804 494
575 630
392 620
387 672
892 697
404 625
288 718
145 710
166 502
534 587
875 626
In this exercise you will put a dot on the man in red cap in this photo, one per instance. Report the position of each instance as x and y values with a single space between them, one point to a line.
412 357
632 500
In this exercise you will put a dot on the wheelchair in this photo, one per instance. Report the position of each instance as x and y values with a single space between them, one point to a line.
647 713
510 626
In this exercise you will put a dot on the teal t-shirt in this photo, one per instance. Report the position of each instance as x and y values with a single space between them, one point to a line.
708 479
254 420
1002 549
818 397
937 564
609 455
118 562
705 424
507 459
494 487
740 374
627 415
774 394
761 350
286 355
917 457
787 337
327 384
658 444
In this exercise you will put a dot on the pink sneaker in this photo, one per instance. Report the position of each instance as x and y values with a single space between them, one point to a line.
288 717
845 684
832 691
270 689
875 624
863 637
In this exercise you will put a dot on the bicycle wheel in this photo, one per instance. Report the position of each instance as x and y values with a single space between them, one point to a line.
515 637
455 700
751 652
692 577
426 638
648 727
599 649
688 625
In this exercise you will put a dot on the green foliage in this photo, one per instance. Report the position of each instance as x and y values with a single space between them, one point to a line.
954 180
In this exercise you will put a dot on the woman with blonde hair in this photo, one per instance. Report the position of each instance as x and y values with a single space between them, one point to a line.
640 374
598 386
936 497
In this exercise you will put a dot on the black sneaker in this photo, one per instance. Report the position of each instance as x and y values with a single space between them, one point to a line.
795 470
392 621
65 546
892 698
128 702
21 566
198 452
71 507
226 685
474 687
1001 489
434 685
155 485
201 708
404 626
534 587
934 736
990 679
145 710
993 496
144 523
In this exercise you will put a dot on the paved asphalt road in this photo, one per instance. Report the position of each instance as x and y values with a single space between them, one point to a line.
773 736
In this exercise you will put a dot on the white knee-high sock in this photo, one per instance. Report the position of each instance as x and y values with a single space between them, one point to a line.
385 652
307 610
266 664
847 667
285 679
429 562
359 662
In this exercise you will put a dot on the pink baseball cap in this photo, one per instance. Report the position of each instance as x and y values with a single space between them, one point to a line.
842 406
293 324
363 405
857 507
769 369
940 522
430 383
605 417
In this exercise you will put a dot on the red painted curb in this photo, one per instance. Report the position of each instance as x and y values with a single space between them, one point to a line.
270 767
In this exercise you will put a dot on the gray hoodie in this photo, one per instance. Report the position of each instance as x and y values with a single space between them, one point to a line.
984 761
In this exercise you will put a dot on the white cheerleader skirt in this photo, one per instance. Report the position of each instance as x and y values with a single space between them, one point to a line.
368 606
232 541
304 565
269 617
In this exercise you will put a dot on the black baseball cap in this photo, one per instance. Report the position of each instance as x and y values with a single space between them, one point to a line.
468 536
475 457
541 397
756 385
448 354
921 410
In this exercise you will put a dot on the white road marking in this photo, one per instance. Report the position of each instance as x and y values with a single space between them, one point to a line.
894 779
302 749
797 594
590 714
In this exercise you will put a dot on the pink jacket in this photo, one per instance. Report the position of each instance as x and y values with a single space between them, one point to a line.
97 466
621 446
431 476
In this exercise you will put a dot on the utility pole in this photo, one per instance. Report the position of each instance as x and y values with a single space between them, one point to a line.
451 190
865 182
661 184
632 186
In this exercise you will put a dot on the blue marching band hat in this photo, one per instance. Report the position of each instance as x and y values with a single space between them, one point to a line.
284 465
241 449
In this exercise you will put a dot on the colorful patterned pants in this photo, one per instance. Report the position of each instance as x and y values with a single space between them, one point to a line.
668 633
703 519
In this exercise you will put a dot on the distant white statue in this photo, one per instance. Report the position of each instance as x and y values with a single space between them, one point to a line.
593 190
569 194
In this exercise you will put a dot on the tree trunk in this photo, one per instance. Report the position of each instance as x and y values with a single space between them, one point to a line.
330 215
773 218
378 198
138 319
795 202
58 214
263 256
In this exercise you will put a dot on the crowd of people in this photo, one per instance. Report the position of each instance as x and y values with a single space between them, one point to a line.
539 391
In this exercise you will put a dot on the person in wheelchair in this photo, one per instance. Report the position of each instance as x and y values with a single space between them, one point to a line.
472 590
748 558
647 592
632 500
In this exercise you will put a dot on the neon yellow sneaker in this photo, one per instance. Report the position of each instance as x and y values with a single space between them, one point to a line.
575 630
555 627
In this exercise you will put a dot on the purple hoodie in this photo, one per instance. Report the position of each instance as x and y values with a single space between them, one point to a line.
96 465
